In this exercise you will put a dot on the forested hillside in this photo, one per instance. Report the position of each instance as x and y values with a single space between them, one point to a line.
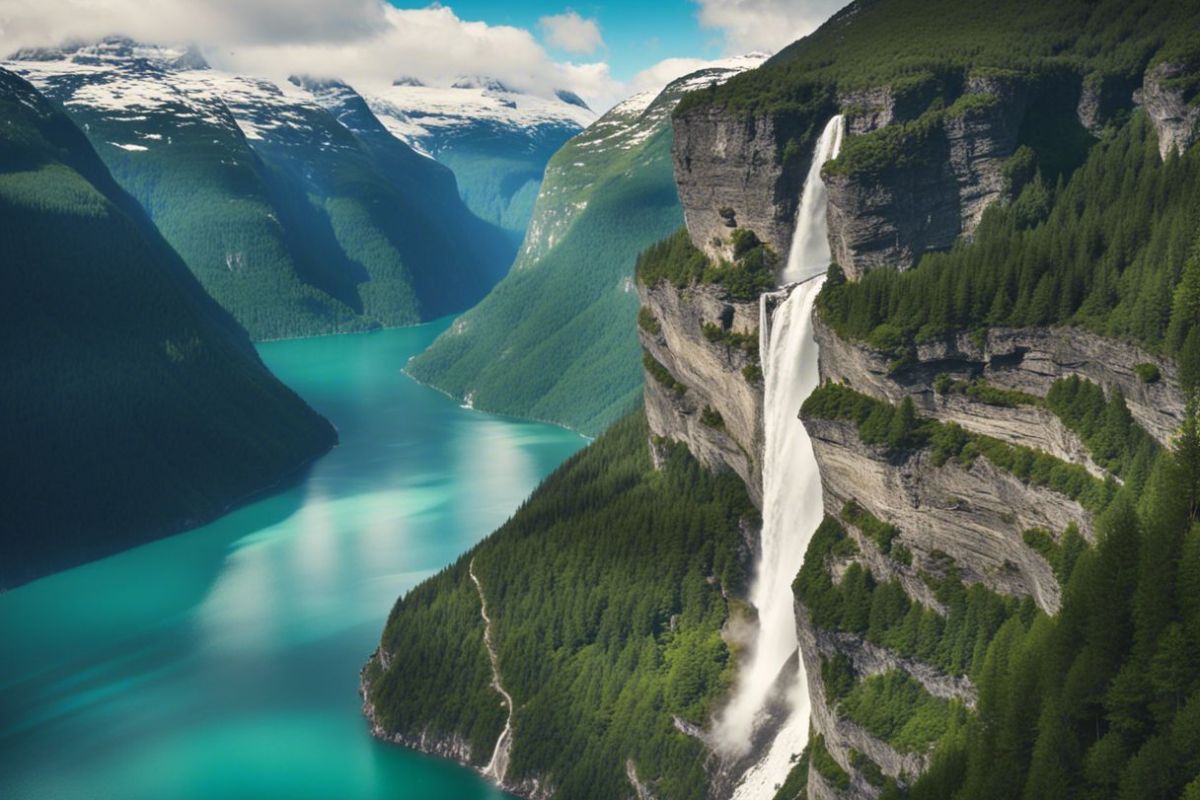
607 592
1112 248
1103 699
556 339
133 405
293 222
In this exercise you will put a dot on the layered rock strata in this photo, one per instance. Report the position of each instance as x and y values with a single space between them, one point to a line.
714 408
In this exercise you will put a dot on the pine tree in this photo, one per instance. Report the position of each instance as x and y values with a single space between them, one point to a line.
902 427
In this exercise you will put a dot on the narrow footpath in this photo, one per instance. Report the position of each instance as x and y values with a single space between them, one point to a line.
498 765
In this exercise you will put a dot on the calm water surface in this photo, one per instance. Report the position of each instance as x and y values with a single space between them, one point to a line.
223 663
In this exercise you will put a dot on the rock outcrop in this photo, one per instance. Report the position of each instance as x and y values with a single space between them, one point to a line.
732 172
1175 118
976 514
710 377
1025 359
951 170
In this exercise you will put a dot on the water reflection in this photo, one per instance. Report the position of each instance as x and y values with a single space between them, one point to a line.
224 662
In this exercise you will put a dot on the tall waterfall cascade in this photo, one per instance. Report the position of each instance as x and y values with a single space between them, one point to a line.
792 501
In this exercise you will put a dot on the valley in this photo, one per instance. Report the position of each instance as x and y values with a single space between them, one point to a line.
820 423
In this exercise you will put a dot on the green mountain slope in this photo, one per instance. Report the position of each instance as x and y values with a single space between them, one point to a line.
133 405
556 339
605 592
290 220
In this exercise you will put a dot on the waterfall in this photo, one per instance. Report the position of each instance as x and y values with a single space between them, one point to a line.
809 254
792 503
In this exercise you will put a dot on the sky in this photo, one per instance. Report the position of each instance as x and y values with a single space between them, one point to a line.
603 50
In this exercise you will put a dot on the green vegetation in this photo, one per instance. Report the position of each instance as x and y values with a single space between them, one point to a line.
879 531
1113 250
746 342
607 594
1103 699
837 676
795 787
872 44
555 340
895 147
712 418
882 613
677 261
868 768
1106 427
897 709
499 175
327 232
133 405
1147 373
1061 553
661 373
820 760
980 390
648 322
902 432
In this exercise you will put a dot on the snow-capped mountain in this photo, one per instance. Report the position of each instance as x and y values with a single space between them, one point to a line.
495 138
290 218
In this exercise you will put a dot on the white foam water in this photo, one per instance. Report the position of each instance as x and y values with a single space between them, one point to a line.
792 502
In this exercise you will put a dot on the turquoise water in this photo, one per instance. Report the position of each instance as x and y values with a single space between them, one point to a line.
223 662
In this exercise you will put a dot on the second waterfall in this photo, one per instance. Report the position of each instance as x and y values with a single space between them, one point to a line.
792 503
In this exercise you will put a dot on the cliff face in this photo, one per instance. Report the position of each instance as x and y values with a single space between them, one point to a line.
975 514
731 172
710 377
1025 359
968 518
1176 119
925 200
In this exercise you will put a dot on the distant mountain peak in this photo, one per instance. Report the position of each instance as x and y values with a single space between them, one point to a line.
117 48
315 84
483 82
407 80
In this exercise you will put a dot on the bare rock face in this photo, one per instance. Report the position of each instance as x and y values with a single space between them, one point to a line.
731 173
1176 120
1025 359
924 201
710 375
976 514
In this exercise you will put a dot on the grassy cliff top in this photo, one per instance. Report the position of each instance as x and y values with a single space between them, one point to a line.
907 43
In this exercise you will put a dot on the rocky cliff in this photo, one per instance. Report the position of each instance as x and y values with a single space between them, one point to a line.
738 171
1175 116
970 521
1028 360
945 169
712 399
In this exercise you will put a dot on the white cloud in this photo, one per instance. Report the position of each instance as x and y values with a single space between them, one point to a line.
658 76
365 42
768 25
571 32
